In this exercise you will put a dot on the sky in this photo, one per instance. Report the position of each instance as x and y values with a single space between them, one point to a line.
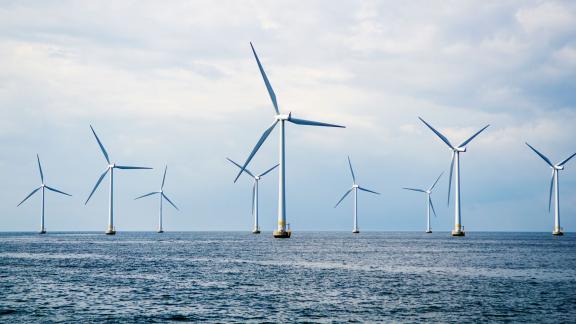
176 83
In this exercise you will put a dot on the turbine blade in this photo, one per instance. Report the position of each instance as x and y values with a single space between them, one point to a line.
240 167
101 146
97 184
542 156
312 123
450 178
30 195
442 137
170 201
260 141
550 195
339 201
269 170
351 170
473 136
364 189
432 205
568 159
58 191
124 167
435 182
268 85
164 177
40 168
414 189
148 194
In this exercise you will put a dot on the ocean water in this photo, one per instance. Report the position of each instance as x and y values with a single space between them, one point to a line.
312 277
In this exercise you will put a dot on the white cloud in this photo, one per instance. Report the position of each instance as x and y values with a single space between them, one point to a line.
178 84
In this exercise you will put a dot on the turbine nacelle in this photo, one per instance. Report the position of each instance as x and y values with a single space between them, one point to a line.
111 166
257 178
558 167
283 116
459 149
355 186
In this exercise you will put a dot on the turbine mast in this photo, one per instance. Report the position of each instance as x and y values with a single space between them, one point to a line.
557 228
281 231
458 231
428 229
42 228
355 230
255 202
160 230
110 230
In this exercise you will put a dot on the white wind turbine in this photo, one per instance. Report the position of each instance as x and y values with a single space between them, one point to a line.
162 197
355 187
110 168
554 183
281 232
455 167
256 229
429 203
42 187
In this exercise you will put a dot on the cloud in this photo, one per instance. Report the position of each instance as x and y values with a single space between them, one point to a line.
178 84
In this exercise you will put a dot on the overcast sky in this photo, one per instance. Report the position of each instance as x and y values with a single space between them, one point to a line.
176 83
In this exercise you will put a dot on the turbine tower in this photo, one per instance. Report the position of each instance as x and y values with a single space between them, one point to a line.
281 231
455 167
162 197
256 229
42 187
429 203
554 184
110 168
355 187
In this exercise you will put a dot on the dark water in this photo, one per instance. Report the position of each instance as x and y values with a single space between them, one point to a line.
317 277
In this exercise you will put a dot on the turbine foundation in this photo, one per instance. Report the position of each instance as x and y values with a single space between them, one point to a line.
282 234
356 231
42 231
558 231
256 231
458 233
160 231
428 231
110 231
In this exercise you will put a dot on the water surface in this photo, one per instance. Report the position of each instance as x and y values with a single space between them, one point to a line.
314 276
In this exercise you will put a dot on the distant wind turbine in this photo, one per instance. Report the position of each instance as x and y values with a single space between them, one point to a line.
162 197
554 184
110 168
42 187
455 167
256 229
354 188
429 203
281 232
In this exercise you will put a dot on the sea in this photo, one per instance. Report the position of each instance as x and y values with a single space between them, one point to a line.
318 277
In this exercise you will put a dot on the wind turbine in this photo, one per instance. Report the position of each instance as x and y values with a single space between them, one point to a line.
429 203
42 187
110 168
162 197
554 183
256 229
354 188
281 231
455 167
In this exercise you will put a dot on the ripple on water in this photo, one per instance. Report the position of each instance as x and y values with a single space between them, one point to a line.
314 277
